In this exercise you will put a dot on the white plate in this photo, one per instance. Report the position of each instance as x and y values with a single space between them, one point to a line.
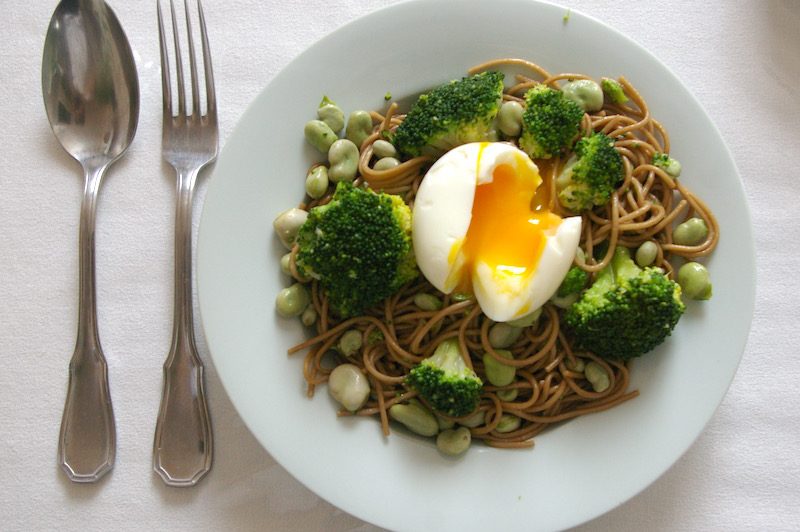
577 471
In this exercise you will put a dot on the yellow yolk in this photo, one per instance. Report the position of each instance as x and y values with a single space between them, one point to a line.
507 229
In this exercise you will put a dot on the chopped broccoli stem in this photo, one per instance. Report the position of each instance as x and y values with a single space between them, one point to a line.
359 247
452 114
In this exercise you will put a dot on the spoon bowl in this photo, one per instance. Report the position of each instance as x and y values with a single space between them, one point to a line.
91 95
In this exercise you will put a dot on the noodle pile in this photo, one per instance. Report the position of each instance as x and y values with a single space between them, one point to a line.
549 386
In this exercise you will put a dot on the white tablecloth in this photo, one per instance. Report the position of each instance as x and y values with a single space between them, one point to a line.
741 60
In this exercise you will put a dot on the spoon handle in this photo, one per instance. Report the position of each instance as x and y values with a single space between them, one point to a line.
183 445
87 439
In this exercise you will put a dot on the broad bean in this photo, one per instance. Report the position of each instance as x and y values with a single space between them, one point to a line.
691 232
292 301
331 114
509 119
415 417
350 342
286 262
359 127
508 423
507 395
309 316
320 135
695 281
348 385
317 181
497 373
454 442
287 224
597 376
646 253
526 321
584 92
502 335
383 148
427 302
343 157
386 163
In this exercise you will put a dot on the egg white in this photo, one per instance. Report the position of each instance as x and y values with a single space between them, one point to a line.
442 215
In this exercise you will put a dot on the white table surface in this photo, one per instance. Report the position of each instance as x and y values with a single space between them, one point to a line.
740 59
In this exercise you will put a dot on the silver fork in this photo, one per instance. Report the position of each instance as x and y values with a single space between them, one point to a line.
183 445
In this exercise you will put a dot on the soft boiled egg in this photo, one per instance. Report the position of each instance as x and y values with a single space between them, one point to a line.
480 227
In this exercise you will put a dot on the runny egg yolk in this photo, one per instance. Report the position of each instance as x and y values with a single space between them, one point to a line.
507 231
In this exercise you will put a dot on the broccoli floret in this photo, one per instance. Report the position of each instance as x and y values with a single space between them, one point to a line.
359 247
549 123
613 90
446 383
667 163
573 282
627 311
591 174
456 113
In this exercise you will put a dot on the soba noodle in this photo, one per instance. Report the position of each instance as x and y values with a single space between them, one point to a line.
549 389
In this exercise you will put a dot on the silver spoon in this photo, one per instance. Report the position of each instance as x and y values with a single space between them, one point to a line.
91 94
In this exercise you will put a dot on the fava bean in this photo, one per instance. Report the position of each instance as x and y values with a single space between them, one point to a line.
474 420
427 302
578 365
287 224
309 316
584 92
502 335
497 373
454 442
386 163
359 127
444 423
507 395
331 114
317 181
383 148
508 423
348 385
509 119
415 417
286 262
695 281
646 253
292 301
343 157
597 376
691 232
320 135
526 321
350 342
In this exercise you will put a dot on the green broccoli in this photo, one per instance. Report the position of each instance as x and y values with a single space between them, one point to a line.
456 113
668 164
358 246
591 174
549 123
573 282
446 383
627 311
613 90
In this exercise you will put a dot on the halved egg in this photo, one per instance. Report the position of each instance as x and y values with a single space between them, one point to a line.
479 227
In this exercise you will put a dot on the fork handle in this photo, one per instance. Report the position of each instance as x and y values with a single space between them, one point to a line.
183 444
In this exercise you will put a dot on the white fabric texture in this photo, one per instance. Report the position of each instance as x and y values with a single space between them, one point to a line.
740 59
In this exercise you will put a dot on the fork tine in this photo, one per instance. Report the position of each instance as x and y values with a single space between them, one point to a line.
166 89
192 61
178 63
211 95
